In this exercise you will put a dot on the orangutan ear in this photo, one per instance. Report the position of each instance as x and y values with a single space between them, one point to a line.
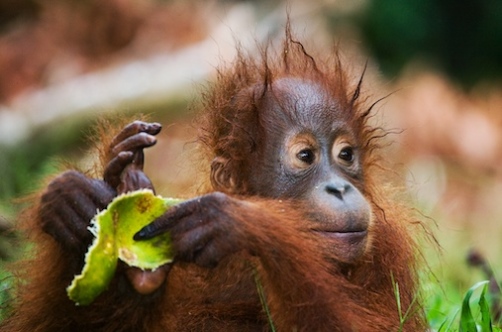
221 177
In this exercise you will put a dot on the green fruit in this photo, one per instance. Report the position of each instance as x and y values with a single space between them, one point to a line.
114 229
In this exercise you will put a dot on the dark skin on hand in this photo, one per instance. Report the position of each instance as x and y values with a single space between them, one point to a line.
68 223
293 206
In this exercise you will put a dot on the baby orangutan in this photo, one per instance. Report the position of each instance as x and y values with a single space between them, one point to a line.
294 233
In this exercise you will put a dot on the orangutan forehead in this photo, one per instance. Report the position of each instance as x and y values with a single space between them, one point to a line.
303 102
300 91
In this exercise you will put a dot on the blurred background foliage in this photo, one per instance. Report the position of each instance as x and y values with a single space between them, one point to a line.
64 65
461 38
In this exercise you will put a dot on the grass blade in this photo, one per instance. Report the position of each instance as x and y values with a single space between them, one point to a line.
263 299
467 323
486 322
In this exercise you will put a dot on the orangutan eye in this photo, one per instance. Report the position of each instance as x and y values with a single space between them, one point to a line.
303 151
307 156
347 154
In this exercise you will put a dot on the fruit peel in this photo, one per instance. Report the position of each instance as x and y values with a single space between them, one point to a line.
114 229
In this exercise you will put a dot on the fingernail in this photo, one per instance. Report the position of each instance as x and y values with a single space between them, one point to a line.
154 128
151 139
141 235
125 155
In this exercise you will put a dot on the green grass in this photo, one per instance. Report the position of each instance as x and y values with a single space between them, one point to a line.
6 284
469 315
